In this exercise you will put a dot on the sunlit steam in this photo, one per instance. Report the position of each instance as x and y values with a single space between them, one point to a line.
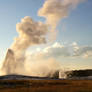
30 33
55 10
34 33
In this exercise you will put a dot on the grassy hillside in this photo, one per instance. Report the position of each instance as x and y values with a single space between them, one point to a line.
45 85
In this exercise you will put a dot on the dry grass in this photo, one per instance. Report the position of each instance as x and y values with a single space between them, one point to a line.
45 85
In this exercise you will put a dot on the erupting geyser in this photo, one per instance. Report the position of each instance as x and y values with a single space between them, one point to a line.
10 65
34 33
9 61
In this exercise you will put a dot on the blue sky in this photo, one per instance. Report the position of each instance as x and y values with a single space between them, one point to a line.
77 27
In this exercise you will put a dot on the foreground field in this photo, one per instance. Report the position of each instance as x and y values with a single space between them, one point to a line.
45 85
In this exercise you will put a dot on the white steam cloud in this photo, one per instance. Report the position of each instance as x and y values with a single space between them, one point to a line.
55 10
35 33
39 66
30 33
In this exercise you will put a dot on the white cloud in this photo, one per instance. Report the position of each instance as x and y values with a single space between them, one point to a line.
58 50
85 51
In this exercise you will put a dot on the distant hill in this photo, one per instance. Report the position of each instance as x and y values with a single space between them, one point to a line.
25 77
75 74
79 73
20 77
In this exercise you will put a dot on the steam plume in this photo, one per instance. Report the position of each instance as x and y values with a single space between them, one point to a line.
55 10
34 33
30 33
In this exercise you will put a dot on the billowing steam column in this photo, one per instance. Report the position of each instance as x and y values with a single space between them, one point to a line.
36 33
30 33
11 64
8 66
